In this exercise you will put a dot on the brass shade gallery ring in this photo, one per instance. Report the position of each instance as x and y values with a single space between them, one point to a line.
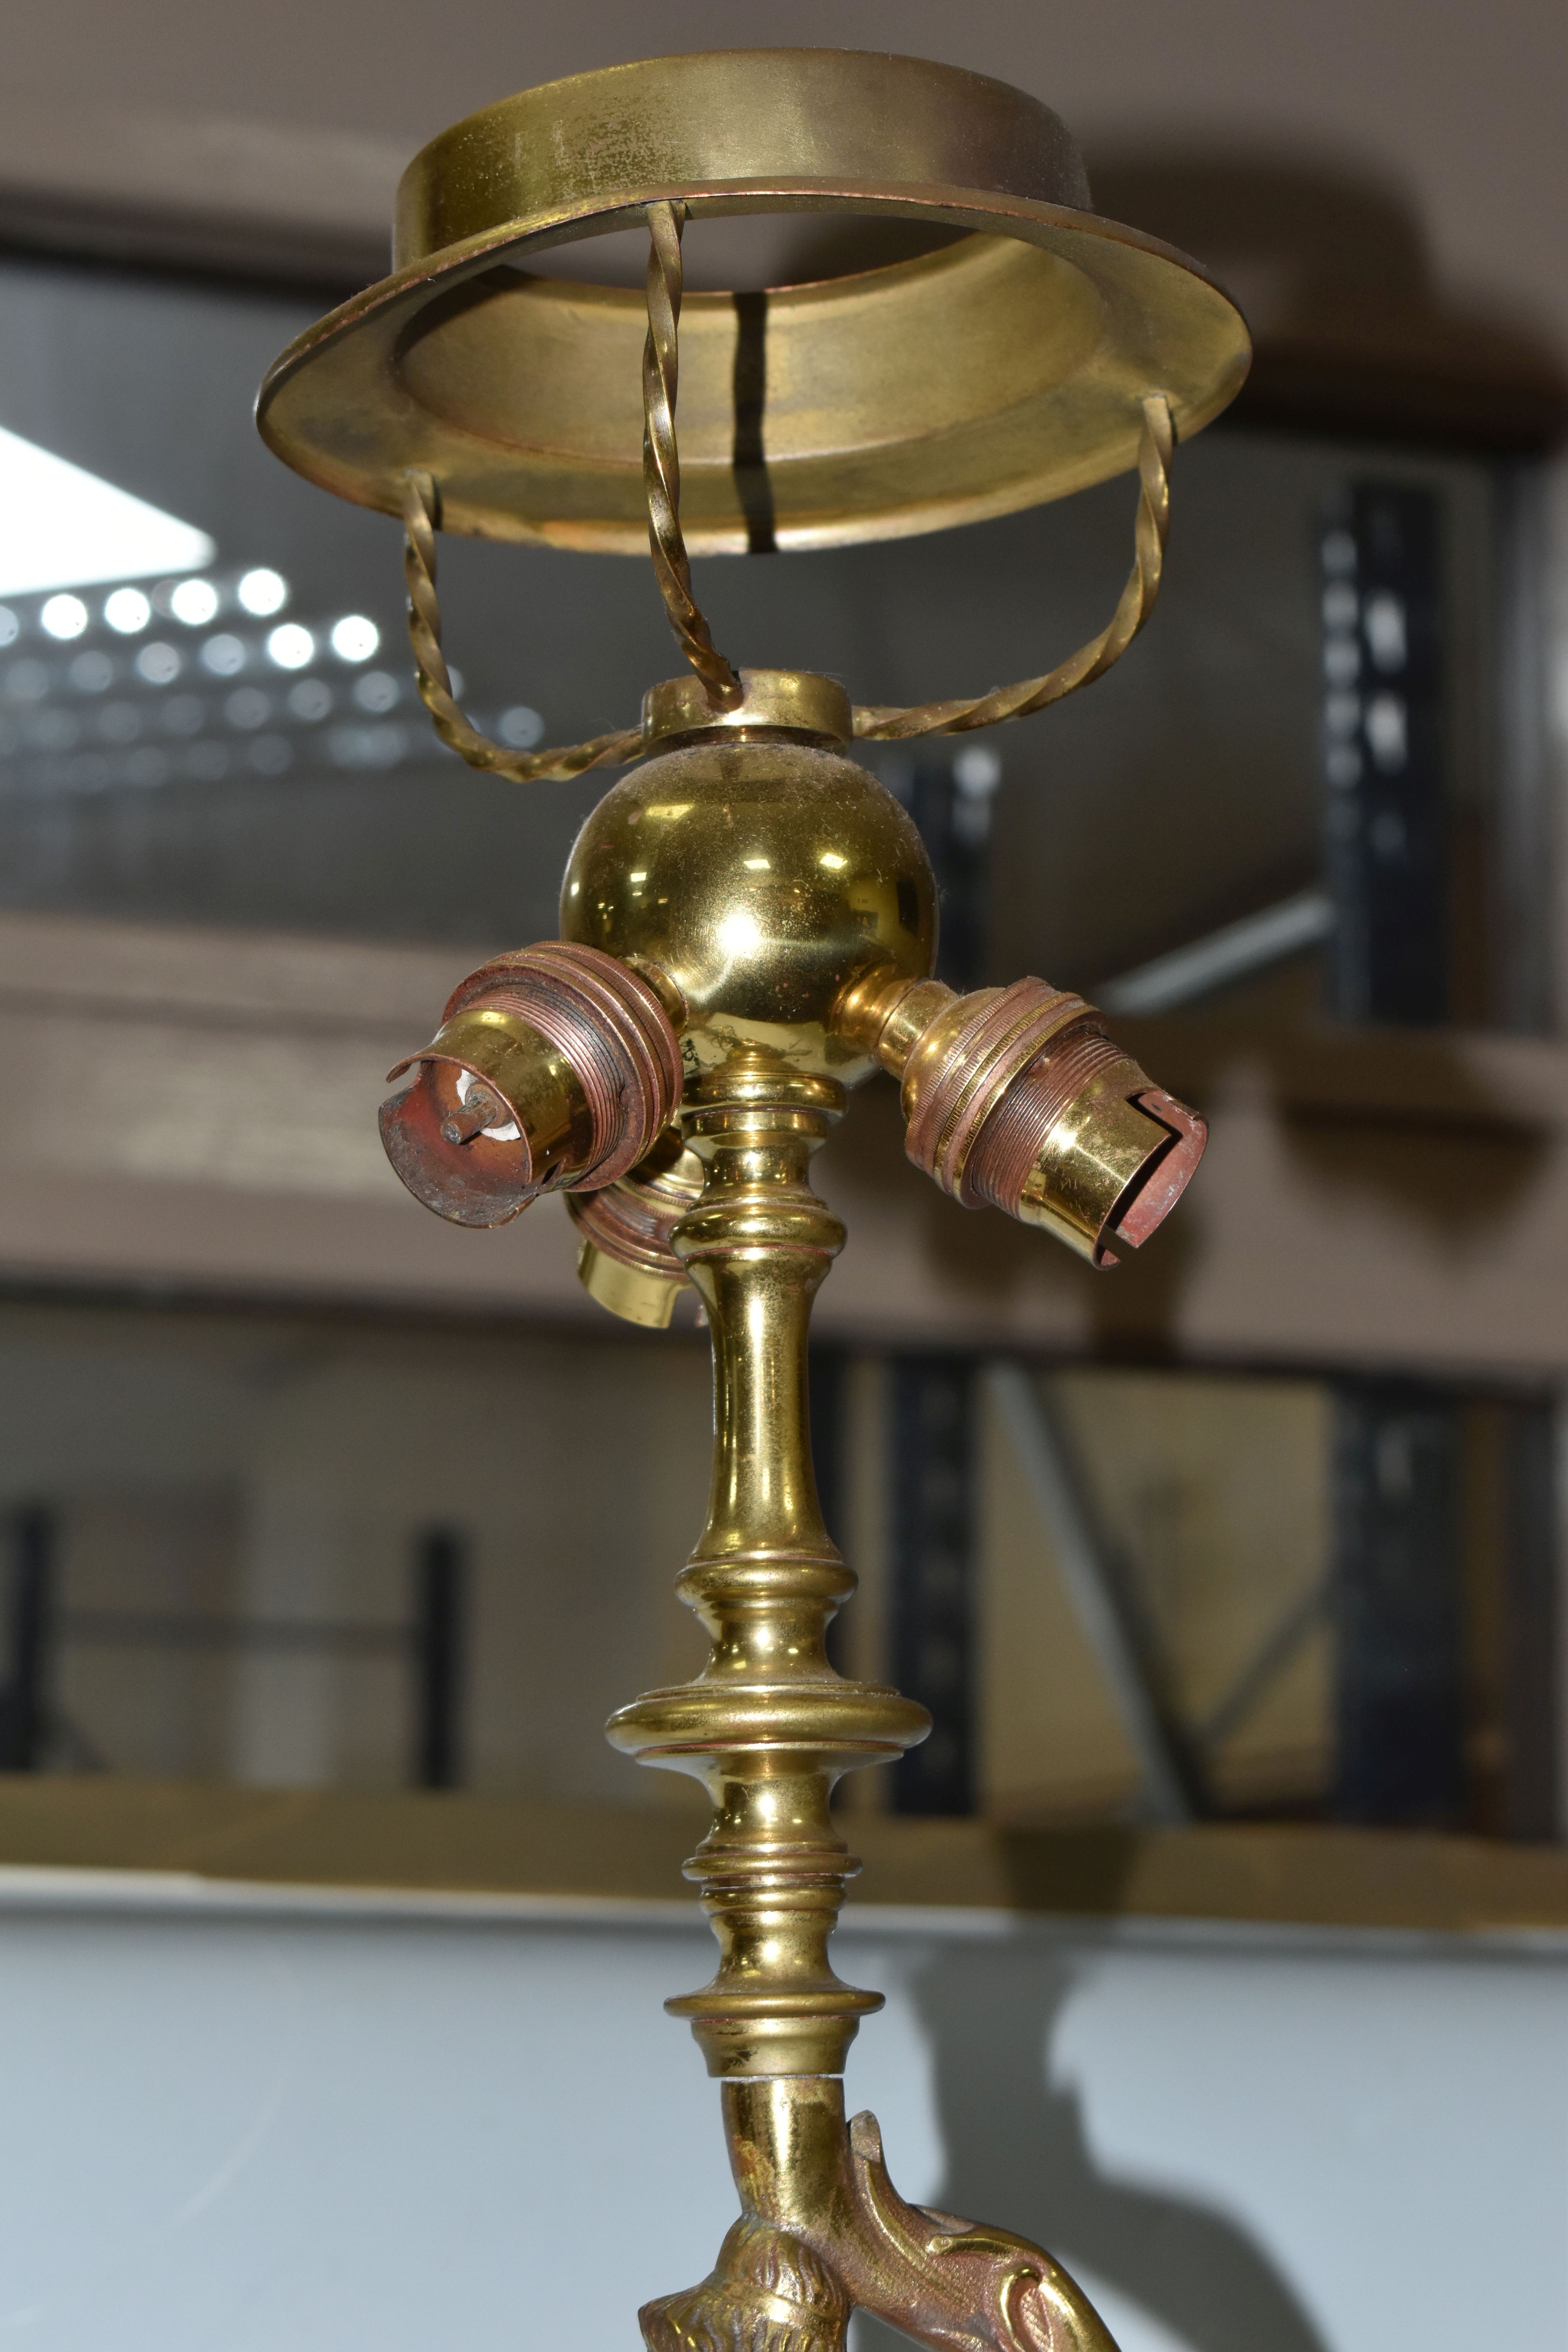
1008 366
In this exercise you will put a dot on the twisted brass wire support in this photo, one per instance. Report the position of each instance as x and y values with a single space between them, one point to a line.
879 724
420 510
661 480
661 457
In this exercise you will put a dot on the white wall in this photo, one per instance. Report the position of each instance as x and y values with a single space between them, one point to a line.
236 2122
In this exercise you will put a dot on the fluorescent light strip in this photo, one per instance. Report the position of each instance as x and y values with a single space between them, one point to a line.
67 528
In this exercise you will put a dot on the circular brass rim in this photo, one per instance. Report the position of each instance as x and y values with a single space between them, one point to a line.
789 701
908 390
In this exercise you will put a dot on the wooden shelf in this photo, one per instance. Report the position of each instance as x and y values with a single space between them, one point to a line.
495 1846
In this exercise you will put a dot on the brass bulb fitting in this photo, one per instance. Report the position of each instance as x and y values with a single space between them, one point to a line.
1017 1099
554 1068
763 872
626 1262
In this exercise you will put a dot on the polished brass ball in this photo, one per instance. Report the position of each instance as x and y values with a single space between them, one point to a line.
764 877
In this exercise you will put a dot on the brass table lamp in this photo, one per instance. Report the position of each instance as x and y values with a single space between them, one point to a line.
748 919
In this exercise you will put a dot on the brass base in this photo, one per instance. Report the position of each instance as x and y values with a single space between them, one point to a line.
823 2232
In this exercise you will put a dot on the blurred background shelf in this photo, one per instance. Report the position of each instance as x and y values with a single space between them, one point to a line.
193 1118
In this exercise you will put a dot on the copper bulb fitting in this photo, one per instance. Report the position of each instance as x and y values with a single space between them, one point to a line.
1015 1098
554 1068
626 1262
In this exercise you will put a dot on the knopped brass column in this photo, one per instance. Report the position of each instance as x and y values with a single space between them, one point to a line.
768 1725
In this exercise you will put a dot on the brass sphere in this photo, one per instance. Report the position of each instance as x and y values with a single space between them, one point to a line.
763 877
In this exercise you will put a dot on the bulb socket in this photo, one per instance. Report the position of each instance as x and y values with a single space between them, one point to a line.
1014 1098
626 1262
567 1056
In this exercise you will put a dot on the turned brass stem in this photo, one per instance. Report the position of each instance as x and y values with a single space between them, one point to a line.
768 1725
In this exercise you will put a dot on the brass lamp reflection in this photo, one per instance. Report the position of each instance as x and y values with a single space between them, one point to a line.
747 924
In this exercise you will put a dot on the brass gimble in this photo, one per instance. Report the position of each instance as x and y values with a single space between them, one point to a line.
555 1067
1017 1099
1003 369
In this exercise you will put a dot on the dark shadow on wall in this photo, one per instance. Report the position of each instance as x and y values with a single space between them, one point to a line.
1018 2156
1353 331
